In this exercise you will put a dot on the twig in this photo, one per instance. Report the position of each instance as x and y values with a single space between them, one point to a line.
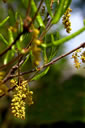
11 62
40 68
28 9
51 62
64 55
36 13
14 42
8 91
18 69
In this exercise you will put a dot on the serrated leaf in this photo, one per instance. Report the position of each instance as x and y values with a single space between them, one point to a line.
39 18
37 77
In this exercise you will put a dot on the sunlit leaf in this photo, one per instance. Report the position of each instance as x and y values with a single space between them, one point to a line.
11 14
27 58
11 39
25 3
3 39
9 55
59 11
67 4
37 77
39 18
4 21
48 7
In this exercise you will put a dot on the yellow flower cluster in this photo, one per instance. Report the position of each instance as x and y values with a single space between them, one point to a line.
76 58
3 87
76 61
19 98
35 47
1 76
66 20
83 57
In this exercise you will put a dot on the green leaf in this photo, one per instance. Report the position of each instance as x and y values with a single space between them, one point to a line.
52 38
48 7
59 11
25 3
44 53
11 38
67 4
27 58
37 77
67 38
4 21
39 18
58 35
3 39
21 24
84 22
11 14
52 48
8 57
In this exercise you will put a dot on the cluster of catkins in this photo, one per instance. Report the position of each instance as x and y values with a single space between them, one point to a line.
35 47
18 102
3 87
66 20
78 57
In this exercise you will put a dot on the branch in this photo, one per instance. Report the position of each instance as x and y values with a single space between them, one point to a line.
64 55
11 62
28 9
14 42
39 68
13 70
8 91
51 62
36 13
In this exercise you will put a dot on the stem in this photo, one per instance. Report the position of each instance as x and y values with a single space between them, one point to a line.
28 9
11 62
51 62
40 68
62 56
58 42
14 42
36 13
